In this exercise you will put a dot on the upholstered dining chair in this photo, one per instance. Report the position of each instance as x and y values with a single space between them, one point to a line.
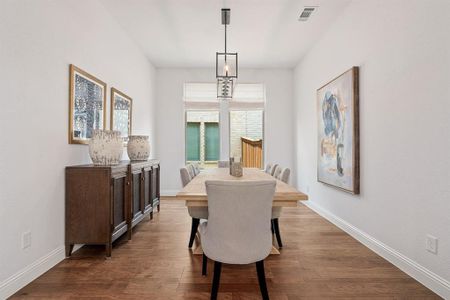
277 172
196 168
276 211
268 168
274 167
223 164
191 170
196 213
238 227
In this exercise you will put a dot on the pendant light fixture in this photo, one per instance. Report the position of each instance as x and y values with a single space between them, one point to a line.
226 65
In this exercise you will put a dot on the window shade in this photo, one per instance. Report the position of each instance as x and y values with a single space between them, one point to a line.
204 95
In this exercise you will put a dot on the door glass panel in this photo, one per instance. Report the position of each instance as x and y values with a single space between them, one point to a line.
246 136
193 141
212 142
202 137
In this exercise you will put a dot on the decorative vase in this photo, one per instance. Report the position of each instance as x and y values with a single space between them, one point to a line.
105 147
236 169
138 147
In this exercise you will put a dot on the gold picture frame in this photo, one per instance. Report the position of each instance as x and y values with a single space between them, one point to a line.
121 113
87 105
338 132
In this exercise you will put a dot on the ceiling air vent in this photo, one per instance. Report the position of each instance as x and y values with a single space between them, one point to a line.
306 13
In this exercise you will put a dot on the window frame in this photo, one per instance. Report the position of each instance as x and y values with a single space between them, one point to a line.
186 110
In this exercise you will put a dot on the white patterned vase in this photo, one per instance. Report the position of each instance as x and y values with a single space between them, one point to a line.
105 147
138 147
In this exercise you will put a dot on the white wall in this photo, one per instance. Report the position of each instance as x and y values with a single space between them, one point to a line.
39 39
403 51
170 117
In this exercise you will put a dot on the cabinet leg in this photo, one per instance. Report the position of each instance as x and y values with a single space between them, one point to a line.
108 250
159 208
69 248
151 215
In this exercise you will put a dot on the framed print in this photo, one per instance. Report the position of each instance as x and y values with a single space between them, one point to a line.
87 100
338 132
121 106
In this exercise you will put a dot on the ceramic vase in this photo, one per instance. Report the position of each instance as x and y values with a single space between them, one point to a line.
138 147
105 147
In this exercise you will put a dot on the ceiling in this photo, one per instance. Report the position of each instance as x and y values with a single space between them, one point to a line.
188 33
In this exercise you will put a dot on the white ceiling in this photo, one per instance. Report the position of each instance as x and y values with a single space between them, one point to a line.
187 33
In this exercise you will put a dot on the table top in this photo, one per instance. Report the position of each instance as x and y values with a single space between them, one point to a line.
195 191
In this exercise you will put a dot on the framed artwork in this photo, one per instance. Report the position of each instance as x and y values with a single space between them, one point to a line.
87 100
338 132
121 106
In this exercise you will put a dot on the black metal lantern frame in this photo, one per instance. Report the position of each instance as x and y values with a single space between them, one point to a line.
228 67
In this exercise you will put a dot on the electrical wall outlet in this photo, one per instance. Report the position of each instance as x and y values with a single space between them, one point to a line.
26 239
431 244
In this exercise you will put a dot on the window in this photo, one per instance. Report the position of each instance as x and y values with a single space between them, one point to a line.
202 137
246 136
242 123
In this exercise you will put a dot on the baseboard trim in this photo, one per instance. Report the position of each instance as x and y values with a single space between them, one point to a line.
429 279
169 192
17 281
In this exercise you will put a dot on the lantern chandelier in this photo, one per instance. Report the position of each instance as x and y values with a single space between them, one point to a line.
226 65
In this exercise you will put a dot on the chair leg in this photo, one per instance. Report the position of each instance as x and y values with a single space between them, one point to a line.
271 227
262 279
276 227
204 264
216 280
195 223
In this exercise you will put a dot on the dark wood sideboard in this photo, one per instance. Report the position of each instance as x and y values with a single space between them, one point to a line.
104 202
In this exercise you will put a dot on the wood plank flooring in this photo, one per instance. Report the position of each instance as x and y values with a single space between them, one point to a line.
318 261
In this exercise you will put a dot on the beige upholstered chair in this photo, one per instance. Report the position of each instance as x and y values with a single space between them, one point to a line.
276 211
268 168
223 164
238 226
196 169
196 213
274 167
191 170
277 172
284 175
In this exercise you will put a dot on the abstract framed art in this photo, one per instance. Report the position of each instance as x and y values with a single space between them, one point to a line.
338 132
87 101
121 107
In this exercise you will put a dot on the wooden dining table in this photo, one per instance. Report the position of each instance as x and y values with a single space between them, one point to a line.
194 193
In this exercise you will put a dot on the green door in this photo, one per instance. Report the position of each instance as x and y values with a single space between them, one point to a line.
212 142
193 141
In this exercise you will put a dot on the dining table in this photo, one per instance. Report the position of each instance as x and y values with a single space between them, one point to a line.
194 193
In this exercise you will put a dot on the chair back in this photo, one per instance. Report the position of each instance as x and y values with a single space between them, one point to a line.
238 230
185 177
277 172
223 164
191 170
268 168
196 169
284 175
274 167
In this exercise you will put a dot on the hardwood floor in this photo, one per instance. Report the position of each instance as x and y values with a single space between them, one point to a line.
318 261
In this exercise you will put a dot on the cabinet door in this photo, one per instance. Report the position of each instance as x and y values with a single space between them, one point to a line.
119 212
148 201
155 185
136 199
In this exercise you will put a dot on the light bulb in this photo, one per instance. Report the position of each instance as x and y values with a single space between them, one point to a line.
226 69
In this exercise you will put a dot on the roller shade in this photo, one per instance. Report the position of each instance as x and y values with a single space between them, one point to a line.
204 95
